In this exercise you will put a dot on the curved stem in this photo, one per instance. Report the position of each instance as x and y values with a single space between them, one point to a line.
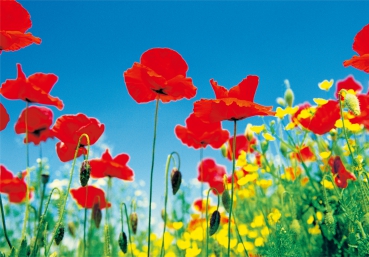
47 249
170 156
3 220
232 191
151 172
121 220
207 218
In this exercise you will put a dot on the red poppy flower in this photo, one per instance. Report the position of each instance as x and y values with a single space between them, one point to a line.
15 21
322 121
303 153
14 186
340 172
4 117
198 134
212 173
234 104
34 89
94 195
348 83
39 121
360 46
161 73
69 128
242 144
200 205
107 166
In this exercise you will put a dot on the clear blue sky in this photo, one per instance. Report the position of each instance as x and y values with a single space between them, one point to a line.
89 44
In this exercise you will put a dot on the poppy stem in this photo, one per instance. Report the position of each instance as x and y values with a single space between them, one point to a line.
62 209
84 225
152 171
202 188
233 168
170 156
207 218
3 220
121 220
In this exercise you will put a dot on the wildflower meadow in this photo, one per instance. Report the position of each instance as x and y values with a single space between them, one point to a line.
252 172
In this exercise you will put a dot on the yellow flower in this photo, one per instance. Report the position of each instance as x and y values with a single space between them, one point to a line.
320 101
264 183
290 126
168 239
327 184
314 230
251 167
177 225
268 137
310 220
325 85
248 178
259 241
274 216
242 229
257 129
170 254
194 251
325 155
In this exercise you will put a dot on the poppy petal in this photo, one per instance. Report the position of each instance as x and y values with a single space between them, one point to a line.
4 117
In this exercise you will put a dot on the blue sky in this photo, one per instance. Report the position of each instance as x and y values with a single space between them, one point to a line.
89 44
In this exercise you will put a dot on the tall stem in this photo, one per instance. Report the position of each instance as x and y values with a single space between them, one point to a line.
121 220
151 172
28 179
3 220
207 217
233 168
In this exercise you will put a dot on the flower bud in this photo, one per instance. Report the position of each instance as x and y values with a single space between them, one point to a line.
330 222
96 214
223 150
85 171
214 222
72 229
59 234
176 179
226 200
281 101
133 219
45 178
289 97
352 103
122 241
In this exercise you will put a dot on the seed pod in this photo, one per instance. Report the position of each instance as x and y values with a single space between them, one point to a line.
96 214
45 178
85 171
176 179
59 234
122 241
352 103
226 200
214 222
133 220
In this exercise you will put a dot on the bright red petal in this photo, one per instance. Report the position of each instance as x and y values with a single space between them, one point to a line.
361 40
220 92
359 62
38 118
67 151
13 17
93 194
348 83
4 117
5 174
177 88
15 40
246 89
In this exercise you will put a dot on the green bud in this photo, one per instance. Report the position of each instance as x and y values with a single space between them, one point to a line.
85 171
226 200
289 97
176 180
214 222
122 241
59 234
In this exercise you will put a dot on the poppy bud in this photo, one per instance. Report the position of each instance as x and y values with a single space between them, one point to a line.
226 200
289 97
96 214
223 150
214 222
122 241
281 101
85 171
133 219
352 103
45 178
72 229
330 222
59 234
176 179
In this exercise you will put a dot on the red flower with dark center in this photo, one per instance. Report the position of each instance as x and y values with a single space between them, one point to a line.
160 74
198 134
94 196
4 117
348 83
109 167
360 46
212 173
15 21
340 172
34 89
14 186
39 121
323 120
242 144
234 104
69 128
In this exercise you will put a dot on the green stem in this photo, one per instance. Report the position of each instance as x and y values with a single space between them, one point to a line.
238 233
202 188
28 179
41 200
207 218
232 191
170 156
3 220
47 249
84 229
151 172
121 220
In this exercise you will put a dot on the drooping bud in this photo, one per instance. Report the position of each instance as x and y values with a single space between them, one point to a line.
226 200
59 234
352 103
122 241
176 179
45 178
214 222
85 172
96 214
133 220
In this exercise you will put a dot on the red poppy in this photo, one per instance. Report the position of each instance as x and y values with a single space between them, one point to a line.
15 21
14 186
322 121
161 73
360 46
234 104
242 144
39 121
303 153
340 172
212 173
198 134
4 117
69 128
94 195
109 167
34 89
200 205
348 83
